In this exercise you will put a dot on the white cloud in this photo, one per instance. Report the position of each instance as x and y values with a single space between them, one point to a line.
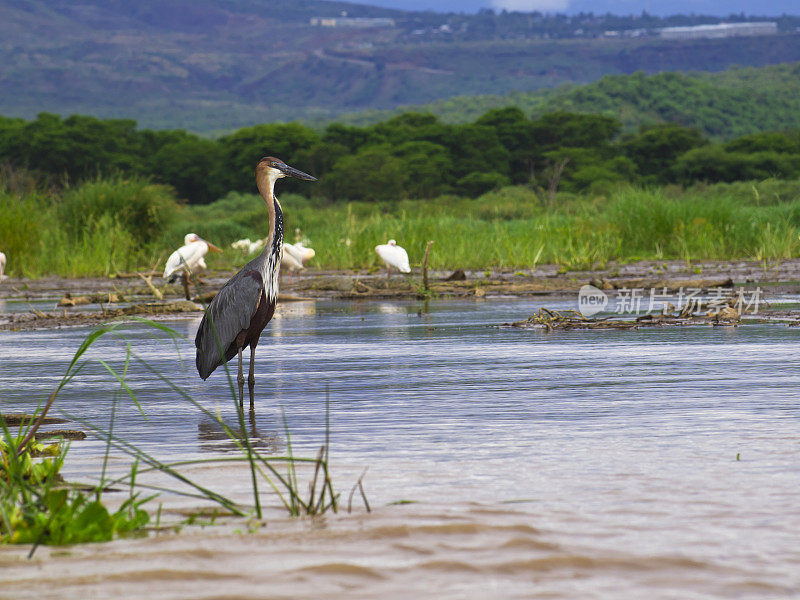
531 5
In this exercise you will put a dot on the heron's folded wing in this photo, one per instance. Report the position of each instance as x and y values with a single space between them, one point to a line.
228 314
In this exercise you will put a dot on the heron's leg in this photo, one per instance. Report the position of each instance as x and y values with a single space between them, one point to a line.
388 272
185 281
240 380
251 378
252 417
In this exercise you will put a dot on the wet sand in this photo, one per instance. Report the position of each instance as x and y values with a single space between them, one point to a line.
474 551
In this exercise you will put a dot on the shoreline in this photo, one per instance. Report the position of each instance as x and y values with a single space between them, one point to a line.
130 295
342 284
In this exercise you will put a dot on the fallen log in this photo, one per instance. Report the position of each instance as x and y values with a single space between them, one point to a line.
104 298
552 320
16 419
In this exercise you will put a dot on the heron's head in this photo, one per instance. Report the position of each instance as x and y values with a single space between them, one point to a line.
275 168
392 243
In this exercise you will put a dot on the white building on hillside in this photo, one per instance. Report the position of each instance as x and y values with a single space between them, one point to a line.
722 30
358 22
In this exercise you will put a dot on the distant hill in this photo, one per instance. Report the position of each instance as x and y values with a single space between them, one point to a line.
723 105
212 65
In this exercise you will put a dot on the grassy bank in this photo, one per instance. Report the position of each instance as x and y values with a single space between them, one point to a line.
108 226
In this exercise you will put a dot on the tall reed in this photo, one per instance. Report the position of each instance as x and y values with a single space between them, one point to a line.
87 232
263 469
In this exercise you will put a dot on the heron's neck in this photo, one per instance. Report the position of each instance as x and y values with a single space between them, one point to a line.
272 249
266 185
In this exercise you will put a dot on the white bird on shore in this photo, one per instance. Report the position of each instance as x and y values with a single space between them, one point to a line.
241 244
2 265
394 256
246 245
295 255
187 259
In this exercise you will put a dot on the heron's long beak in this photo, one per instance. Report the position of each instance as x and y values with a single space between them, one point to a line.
212 247
292 172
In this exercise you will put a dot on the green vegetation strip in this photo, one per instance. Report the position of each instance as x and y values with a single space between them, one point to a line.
513 227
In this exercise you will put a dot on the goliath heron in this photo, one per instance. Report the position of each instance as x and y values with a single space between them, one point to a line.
394 256
186 259
245 304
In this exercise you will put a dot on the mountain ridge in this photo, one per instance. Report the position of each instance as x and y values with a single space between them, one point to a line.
216 66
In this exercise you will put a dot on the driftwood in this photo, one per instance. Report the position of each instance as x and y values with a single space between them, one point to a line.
99 298
155 308
148 282
552 320
21 420
16 419
36 319
66 434
137 274
671 284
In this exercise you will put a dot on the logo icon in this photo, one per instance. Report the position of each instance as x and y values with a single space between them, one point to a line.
591 300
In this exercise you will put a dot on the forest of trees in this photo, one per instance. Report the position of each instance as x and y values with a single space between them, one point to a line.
412 155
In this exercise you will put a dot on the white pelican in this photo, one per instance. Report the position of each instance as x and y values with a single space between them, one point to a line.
246 245
2 265
187 259
306 254
295 255
241 244
394 256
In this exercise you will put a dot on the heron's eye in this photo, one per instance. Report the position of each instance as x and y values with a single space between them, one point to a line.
273 164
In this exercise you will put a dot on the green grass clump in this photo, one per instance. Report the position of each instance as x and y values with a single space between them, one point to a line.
96 228
107 226
37 507
143 209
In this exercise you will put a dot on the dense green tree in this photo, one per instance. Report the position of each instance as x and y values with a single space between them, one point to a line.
584 168
77 147
477 183
191 166
782 142
559 129
517 135
318 160
242 150
655 150
12 140
346 136
476 149
411 155
428 166
714 164
373 173
409 127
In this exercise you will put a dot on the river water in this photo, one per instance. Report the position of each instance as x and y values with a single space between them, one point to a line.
658 463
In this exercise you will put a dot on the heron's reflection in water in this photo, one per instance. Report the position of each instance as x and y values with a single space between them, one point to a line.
228 434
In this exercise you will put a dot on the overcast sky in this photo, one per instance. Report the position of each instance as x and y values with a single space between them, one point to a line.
622 7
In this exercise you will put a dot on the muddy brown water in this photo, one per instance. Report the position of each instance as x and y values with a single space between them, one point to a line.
538 465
